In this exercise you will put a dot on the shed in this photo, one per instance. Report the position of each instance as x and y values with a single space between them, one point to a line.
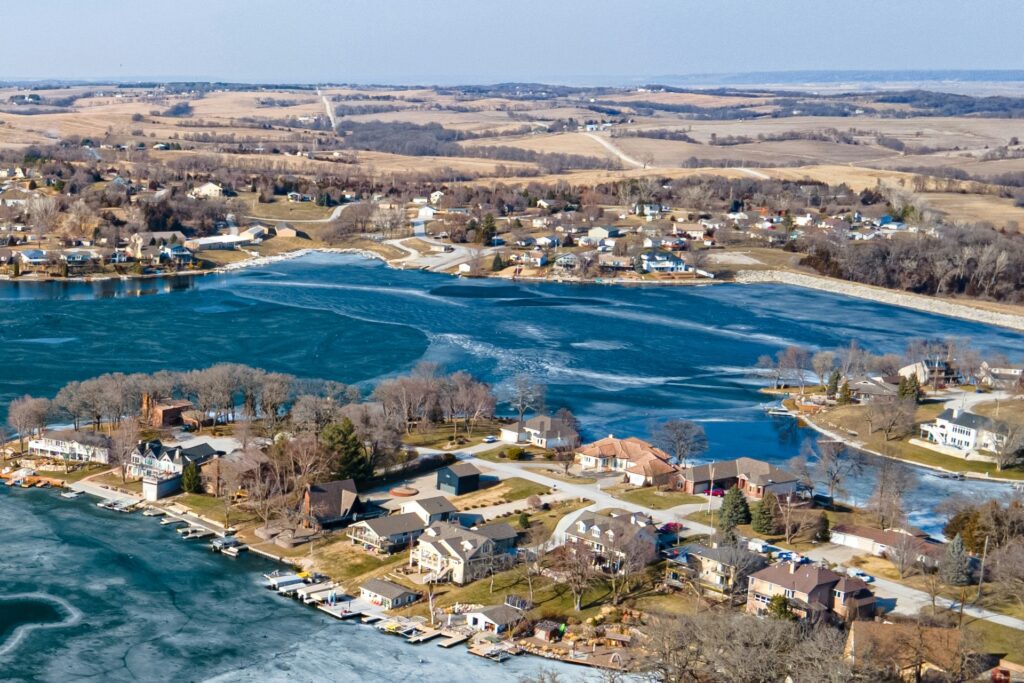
458 478
387 594
547 630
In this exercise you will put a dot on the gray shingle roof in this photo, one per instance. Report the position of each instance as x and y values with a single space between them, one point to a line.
385 589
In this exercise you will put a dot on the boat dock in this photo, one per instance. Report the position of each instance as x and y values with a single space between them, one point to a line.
453 639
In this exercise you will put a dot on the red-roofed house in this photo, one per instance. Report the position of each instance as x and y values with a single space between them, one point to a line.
642 463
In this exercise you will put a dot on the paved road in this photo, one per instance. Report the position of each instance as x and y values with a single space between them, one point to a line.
439 261
625 158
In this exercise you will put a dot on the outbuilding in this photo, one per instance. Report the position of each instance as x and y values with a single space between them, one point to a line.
458 478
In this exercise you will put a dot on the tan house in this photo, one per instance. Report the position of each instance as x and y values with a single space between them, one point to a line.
611 536
208 191
813 592
449 552
880 542
721 569
430 510
753 477
387 534
642 463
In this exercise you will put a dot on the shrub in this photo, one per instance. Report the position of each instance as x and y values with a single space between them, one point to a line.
515 453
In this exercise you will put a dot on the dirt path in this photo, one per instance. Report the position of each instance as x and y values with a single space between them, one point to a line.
625 158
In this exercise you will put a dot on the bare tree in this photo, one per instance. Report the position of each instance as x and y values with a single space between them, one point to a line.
683 439
124 439
1010 447
526 395
574 564
1008 569
895 418
834 466
26 415
823 362
903 554
894 481
42 212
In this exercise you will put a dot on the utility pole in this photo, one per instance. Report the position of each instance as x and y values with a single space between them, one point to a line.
981 576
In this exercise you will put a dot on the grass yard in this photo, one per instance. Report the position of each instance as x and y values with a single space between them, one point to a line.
439 436
113 480
560 475
802 540
530 453
342 561
505 491
283 210
213 507
999 639
652 498
851 419
82 473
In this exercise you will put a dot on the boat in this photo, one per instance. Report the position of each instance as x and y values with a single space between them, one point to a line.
106 504
70 494
24 484
222 544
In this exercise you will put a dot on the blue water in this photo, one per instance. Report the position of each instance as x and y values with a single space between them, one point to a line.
619 357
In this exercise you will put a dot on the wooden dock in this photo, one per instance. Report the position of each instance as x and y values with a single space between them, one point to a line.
429 634
453 639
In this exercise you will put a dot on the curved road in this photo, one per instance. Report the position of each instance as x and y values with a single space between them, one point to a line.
626 159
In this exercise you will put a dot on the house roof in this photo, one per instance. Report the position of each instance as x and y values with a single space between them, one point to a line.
620 527
385 589
392 525
463 469
454 541
891 537
904 645
633 449
549 427
498 531
757 472
502 615
803 580
972 421
332 499
726 556
84 438
434 506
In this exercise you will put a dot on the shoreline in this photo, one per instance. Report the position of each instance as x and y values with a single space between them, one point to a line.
857 446
908 300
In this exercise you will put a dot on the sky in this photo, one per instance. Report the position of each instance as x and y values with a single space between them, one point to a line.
487 41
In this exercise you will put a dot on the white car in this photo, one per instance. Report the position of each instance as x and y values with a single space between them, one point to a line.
490 439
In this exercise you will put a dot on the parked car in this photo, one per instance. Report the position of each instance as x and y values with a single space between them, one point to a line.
490 439
717 493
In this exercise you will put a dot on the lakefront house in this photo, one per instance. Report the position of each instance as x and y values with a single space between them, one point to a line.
640 462
961 433
813 593
72 446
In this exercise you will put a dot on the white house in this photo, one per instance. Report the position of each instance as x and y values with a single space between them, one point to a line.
654 261
965 432
602 233
420 201
73 446
436 196
154 459
208 191
548 241
430 510
426 213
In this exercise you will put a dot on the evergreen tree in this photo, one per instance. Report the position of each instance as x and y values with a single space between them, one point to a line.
488 229
914 387
497 264
348 457
734 510
764 516
832 388
822 534
778 608
845 397
955 567
190 481
901 388
524 520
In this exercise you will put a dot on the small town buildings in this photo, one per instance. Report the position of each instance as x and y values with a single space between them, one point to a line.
177 254
614 535
548 241
218 242
602 233
1001 377
882 543
753 477
288 231
568 261
458 478
72 446
387 594
494 619
436 196
641 463
330 503
426 213
387 534
430 510
873 390
963 433
722 569
812 592
154 459
450 552
615 262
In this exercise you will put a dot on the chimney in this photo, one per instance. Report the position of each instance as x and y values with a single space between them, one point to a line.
792 567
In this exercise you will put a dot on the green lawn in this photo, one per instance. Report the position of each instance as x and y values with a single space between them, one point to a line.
113 480
338 558
652 498
998 639
519 489
439 436
83 472
212 507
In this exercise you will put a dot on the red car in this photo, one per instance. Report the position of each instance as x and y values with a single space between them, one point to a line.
717 493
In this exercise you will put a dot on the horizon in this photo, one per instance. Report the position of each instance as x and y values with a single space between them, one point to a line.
404 43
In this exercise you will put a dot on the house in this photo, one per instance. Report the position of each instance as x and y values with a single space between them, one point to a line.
77 259
879 542
652 242
612 536
1004 377
34 257
568 261
288 231
965 433
72 446
177 254
523 241
873 390
430 510
602 233
387 594
458 478
255 232
753 477
420 201
426 213
911 651
549 432
436 196
165 413
218 242
642 463
656 261
330 503
548 241
299 197
615 262
450 552
387 534
723 569
813 592
649 209
494 619
208 191
154 459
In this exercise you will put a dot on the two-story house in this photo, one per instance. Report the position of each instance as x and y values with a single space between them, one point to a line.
430 510
387 534
722 569
72 446
449 552
813 592
154 459
965 432
610 537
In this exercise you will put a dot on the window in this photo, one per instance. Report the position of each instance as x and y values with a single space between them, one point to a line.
789 593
